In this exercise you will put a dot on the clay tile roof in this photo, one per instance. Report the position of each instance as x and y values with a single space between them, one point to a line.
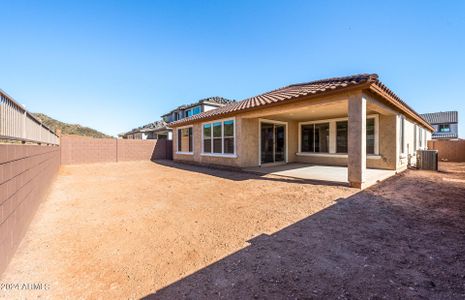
441 117
283 94
295 91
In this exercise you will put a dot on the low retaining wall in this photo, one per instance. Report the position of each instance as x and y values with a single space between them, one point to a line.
26 173
82 150
449 150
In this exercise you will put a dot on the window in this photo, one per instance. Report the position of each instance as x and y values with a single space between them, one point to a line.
415 143
184 141
218 137
421 137
444 128
341 136
188 113
307 139
196 110
217 140
228 137
315 138
370 128
207 138
402 134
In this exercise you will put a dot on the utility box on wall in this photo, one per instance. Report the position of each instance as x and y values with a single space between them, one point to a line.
427 160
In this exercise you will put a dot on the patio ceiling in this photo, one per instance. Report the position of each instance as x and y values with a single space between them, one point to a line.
315 112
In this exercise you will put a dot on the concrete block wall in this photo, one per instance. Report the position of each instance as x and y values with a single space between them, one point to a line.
128 150
449 150
26 173
83 150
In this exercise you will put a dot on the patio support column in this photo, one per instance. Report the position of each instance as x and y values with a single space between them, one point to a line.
357 140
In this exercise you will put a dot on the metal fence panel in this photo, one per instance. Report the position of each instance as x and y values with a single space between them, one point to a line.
16 123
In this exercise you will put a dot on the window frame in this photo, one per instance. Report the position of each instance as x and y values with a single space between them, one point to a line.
444 126
222 154
402 141
199 110
420 138
177 140
331 121
314 137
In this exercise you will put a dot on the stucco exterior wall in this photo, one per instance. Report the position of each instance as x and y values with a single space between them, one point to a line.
412 142
387 138
248 149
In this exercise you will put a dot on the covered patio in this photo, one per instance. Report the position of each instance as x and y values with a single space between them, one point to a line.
330 174
346 139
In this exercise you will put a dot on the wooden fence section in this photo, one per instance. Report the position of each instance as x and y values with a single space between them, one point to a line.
16 123
84 150
453 150
26 173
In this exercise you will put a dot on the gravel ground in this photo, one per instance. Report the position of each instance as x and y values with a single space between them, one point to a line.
142 229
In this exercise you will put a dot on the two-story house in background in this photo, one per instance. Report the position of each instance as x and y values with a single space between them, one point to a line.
185 111
160 130
445 124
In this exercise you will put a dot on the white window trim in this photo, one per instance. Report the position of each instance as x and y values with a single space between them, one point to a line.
372 116
222 154
402 142
339 155
177 141
269 121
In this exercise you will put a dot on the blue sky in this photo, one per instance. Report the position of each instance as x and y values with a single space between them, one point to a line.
115 65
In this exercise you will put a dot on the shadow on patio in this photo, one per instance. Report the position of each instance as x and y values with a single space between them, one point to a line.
238 174
320 173
401 239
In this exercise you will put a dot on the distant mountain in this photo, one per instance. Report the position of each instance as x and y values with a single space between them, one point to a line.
74 129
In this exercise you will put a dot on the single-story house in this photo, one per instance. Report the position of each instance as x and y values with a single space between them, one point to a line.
353 121
445 124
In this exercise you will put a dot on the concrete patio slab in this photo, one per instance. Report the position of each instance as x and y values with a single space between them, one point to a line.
333 174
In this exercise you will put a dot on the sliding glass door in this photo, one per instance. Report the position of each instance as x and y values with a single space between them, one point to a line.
273 143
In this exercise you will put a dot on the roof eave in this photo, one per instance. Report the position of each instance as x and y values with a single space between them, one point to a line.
374 87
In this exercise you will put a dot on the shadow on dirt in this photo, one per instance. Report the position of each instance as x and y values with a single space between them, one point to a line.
388 241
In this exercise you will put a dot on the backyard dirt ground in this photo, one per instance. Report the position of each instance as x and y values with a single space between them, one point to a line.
165 230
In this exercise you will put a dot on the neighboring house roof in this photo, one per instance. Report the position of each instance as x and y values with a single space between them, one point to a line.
442 117
215 101
154 126
301 90
444 135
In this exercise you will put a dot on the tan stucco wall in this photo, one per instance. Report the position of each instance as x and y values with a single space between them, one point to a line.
248 145
410 146
387 138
